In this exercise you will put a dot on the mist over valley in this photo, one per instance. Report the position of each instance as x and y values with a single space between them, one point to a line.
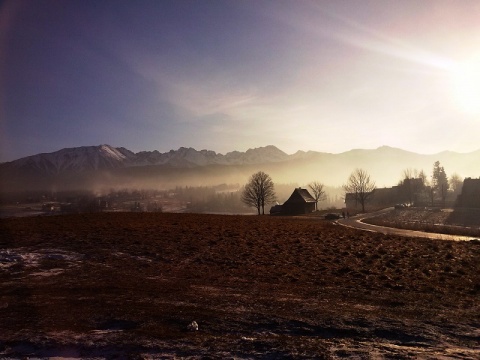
103 168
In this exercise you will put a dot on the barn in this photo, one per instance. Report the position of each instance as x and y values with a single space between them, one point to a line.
300 202
470 196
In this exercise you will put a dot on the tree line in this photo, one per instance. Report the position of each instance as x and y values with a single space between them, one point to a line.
260 189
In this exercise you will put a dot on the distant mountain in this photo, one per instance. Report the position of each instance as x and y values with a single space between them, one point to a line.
189 157
87 158
105 166
73 159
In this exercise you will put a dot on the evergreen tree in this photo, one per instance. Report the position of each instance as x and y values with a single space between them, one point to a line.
440 183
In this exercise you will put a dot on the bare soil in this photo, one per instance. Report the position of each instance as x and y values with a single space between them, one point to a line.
127 285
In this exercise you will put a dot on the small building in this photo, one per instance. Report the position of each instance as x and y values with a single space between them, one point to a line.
300 202
384 196
470 196
276 209
351 201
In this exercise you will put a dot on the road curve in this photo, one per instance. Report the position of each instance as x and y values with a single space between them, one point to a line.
356 222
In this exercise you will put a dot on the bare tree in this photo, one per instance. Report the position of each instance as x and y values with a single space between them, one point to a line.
423 176
359 183
410 173
318 192
259 191
426 188
411 186
456 183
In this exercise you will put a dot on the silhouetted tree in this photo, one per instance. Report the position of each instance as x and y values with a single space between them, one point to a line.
411 186
440 181
456 183
426 189
359 183
318 192
259 191
410 173
423 176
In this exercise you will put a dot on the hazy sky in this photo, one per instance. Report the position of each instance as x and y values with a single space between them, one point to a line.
231 75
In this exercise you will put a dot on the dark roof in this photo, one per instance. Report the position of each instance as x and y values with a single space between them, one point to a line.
300 195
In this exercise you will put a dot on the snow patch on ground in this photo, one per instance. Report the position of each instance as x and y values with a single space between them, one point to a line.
31 259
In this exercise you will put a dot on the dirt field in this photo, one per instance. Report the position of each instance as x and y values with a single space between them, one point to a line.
127 285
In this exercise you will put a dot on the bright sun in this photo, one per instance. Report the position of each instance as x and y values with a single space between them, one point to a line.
466 85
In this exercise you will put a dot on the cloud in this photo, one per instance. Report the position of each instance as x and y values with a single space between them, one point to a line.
213 97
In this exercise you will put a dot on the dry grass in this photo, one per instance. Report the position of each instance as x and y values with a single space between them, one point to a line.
464 222
127 285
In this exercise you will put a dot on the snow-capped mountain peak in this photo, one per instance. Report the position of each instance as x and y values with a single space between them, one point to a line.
104 156
74 159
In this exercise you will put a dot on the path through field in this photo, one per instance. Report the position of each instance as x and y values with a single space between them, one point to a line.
356 222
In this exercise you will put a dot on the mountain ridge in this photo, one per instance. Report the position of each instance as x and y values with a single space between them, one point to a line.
232 156
106 156
105 165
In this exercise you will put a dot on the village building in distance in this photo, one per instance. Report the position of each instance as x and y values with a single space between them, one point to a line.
413 193
470 196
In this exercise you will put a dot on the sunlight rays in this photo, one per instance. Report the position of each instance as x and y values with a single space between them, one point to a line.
465 78
460 80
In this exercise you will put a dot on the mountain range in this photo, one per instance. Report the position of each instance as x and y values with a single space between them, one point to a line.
102 157
105 166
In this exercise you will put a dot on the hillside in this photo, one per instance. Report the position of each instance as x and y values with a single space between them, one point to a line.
127 286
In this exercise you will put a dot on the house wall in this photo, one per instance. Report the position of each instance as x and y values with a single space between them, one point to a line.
298 208
380 197
470 196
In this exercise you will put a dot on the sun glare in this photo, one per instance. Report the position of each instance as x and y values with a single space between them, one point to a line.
466 85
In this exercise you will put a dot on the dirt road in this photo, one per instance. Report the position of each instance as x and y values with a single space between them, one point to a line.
356 222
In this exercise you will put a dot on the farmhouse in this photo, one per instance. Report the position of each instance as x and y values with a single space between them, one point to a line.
470 196
300 202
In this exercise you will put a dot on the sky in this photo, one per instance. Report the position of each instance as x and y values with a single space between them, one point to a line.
228 75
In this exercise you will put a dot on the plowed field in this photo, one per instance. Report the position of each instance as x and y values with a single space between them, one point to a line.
127 285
